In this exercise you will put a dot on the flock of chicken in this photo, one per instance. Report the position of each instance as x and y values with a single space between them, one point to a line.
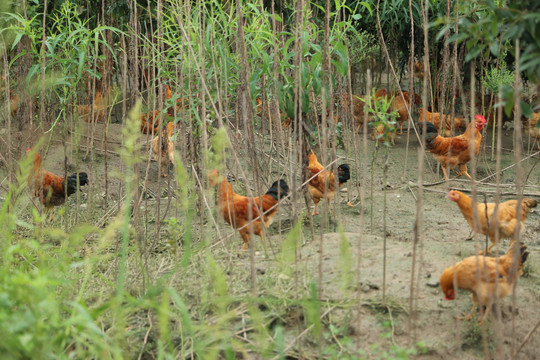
488 278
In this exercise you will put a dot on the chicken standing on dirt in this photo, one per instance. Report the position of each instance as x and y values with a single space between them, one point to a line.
441 122
403 106
454 151
359 102
532 129
323 184
50 188
164 149
487 278
244 213
502 218
94 112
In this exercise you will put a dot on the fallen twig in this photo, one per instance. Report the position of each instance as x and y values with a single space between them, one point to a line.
527 337
483 192
511 166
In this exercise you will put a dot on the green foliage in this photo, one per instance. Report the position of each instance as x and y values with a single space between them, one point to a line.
346 347
502 79
287 255
220 142
474 333
492 27
71 46
495 78
362 46
379 108
528 269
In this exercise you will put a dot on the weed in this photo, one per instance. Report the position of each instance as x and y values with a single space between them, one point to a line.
473 335
377 306
528 270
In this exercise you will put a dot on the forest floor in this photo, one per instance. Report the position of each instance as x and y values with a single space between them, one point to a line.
354 313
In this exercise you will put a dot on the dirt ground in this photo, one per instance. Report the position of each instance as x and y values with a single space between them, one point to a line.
356 312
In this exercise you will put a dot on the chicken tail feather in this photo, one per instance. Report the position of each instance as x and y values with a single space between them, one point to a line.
344 173
530 203
524 254
71 182
279 189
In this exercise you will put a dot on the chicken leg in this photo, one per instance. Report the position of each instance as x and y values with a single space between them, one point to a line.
469 316
315 212
463 171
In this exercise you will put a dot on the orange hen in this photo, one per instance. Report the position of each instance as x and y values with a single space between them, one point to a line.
487 278
503 218
403 106
94 112
454 151
164 150
442 122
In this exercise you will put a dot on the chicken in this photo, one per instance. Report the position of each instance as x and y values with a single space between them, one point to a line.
150 122
403 107
165 147
235 209
50 188
99 108
180 103
454 151
487 278
532 129
502 218
379 132
324 180
258 107
14 105
419 70
435 119
358 103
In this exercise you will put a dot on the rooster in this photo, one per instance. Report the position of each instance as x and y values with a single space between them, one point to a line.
323 183
455 151
487 278
244 213
53 189
502 218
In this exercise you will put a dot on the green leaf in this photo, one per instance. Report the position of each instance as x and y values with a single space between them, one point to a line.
367 6
526 109
315 60
341 67
82 58
36 68
494 47
474 52
509 105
